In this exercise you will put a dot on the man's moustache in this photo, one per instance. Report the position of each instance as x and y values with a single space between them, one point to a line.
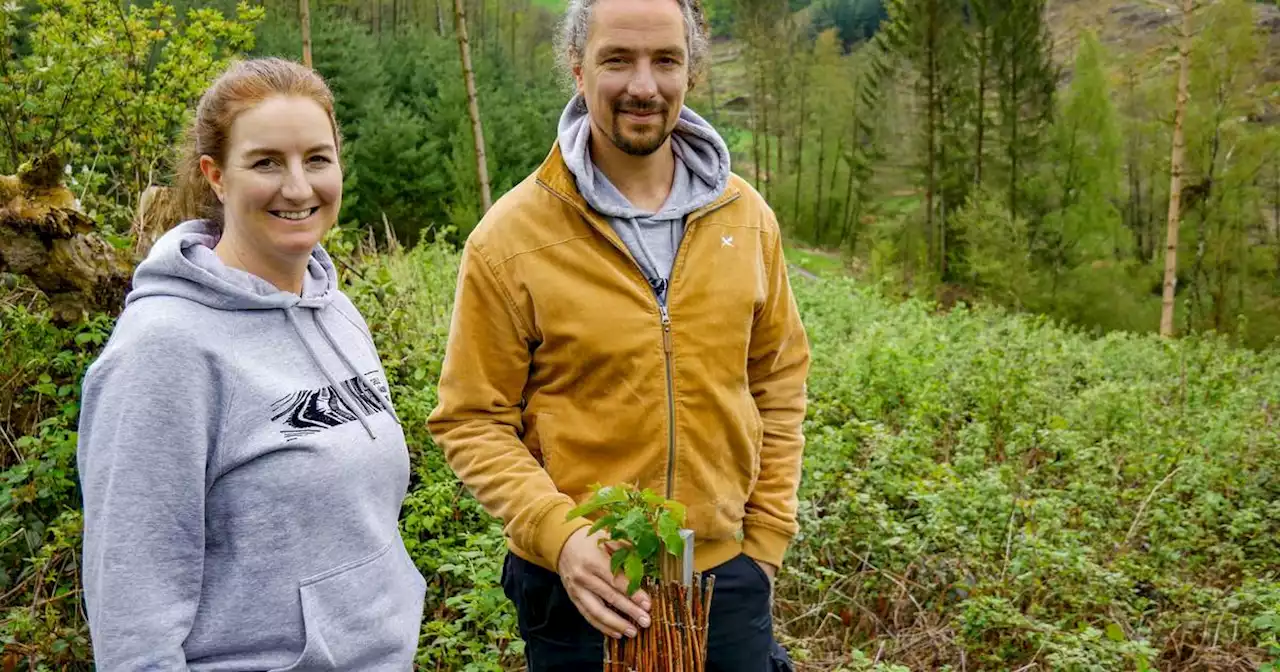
641 108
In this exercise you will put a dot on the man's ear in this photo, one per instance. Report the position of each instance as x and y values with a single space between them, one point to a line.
212 173
577 78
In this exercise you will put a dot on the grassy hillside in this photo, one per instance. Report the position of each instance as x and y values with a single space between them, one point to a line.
1145 29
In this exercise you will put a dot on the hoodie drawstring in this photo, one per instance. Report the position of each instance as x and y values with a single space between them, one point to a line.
644 249
350 403
386 403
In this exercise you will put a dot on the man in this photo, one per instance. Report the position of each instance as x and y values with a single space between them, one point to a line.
624 316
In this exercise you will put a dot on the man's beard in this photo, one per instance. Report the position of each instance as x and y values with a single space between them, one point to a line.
644 145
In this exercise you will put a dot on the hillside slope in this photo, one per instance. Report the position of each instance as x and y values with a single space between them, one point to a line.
1145 31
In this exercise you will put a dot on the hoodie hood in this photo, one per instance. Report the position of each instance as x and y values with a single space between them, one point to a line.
702 165
653 238
182 263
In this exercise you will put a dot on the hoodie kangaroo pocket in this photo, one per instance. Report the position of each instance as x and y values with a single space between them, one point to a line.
363 615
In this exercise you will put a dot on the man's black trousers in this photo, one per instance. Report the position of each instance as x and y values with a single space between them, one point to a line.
558 638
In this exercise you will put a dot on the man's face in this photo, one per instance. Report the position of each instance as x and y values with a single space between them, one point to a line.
635 72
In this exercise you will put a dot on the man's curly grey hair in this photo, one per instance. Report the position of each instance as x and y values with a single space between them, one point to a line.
572 41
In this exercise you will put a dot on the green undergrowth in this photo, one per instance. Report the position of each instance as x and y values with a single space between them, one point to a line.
1021 492
982 491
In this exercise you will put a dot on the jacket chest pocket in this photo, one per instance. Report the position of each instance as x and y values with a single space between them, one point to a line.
715 296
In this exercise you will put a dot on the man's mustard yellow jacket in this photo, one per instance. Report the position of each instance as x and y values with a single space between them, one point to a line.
563 371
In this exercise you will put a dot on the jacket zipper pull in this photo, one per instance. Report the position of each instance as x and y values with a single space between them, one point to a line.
666 330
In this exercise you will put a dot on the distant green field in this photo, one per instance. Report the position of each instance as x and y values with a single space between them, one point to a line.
817 262
554 5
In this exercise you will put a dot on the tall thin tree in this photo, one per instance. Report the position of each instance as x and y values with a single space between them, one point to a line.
304 16
982 47
1175 172
473 108
800 126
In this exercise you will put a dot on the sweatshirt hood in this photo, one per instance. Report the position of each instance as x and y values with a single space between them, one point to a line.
702 165
182 263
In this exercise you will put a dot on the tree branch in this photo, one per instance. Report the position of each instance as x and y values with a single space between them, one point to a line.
1141 509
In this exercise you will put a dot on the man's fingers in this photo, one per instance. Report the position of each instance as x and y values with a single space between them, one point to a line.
617 598
598 614
640 598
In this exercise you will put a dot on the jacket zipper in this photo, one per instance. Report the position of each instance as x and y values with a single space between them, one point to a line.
671 393
666 321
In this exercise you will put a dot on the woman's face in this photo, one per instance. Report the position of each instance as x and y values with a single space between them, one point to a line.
281 185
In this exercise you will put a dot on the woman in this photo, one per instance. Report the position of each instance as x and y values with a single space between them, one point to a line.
242 466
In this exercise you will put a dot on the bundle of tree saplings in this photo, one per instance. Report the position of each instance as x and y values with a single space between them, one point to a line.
654 551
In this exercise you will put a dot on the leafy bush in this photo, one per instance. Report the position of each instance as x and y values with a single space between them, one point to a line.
42 366
108 89
996 487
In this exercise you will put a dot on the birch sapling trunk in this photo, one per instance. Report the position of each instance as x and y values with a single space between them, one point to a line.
477 132
800 128
1175 170
304 14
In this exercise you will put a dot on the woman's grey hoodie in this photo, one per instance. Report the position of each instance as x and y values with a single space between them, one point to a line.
243 471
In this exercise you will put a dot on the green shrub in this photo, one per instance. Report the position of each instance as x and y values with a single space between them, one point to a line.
40 524
976 484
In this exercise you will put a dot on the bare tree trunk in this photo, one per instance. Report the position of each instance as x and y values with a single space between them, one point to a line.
982 103
496 42
820 222
800 129
847 220
1133 209
439 18
835 172
779 93
711 88
764 130
847 224
755 128
512 31
1275 209
939 235
1175 170
931 100
1152 222
304 13
464 50
1013 112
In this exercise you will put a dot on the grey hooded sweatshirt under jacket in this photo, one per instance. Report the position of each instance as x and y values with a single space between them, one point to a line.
243 472
653 238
